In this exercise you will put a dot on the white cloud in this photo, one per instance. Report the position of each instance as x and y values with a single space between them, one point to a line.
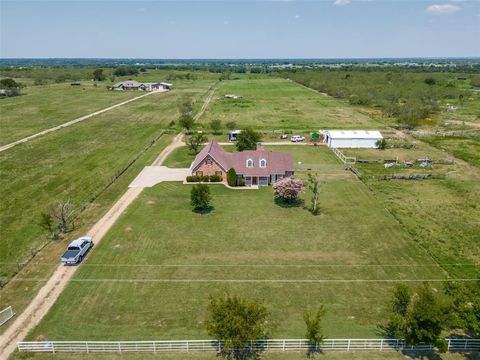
225 22
443 9
297 16
341 2
142 9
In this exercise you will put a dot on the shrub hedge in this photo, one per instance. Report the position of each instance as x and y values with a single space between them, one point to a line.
204 178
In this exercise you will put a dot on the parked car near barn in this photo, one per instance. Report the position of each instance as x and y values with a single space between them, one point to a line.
297 138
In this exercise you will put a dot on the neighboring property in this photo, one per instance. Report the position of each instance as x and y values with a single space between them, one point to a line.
352 138
232 96
135 85
256 167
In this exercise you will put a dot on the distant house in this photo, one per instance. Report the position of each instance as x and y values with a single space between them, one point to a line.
352 138
256 167
127 85
135 85
231 96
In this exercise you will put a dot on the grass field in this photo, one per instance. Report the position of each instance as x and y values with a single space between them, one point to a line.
273 103
442 163
76 162
151 276
466 148
39 108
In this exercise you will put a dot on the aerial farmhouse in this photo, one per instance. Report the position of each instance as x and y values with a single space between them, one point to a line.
135 85
257 167
352 138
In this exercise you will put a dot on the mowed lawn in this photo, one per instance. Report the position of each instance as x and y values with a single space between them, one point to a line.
151 276
280 104
76 162
42 107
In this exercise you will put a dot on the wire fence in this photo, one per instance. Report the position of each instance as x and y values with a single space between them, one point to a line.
257 345
6 314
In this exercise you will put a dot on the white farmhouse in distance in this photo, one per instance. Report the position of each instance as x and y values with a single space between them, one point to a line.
352 138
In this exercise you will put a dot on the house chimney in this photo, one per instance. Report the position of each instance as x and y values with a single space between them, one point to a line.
260 146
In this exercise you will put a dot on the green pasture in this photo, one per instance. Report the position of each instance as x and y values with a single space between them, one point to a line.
151 275
465 147
77 163
43 107
274 103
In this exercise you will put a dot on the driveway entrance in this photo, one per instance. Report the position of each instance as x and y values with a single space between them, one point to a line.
153 175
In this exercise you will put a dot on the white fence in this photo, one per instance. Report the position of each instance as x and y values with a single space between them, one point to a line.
259 345
6 314
343 158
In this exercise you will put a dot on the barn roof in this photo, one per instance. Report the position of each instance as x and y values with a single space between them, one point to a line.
354 134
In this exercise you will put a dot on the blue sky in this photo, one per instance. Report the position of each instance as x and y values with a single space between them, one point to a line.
240 29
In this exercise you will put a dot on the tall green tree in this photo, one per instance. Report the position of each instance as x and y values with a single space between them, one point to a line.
232 177
314 186
236 322
98 75
428 316
465 299
399 307
200 198
314 333
248 139
195 141
186 122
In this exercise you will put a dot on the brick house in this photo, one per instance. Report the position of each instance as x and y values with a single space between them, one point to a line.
256 167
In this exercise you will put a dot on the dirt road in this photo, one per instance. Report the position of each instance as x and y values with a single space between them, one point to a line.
206 103
64 125
49 293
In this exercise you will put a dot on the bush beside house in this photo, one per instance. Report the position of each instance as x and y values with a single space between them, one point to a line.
232 177
204 178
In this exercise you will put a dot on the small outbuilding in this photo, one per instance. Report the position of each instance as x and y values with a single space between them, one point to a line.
352 138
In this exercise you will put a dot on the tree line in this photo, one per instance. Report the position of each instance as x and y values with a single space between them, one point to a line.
409 97
419 316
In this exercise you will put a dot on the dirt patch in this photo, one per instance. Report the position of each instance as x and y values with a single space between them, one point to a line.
127 228
151 202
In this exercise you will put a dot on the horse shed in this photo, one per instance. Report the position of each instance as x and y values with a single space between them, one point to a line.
352 138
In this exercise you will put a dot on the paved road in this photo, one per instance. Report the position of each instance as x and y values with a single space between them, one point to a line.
64 125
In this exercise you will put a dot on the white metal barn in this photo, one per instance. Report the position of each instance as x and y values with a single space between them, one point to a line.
352 138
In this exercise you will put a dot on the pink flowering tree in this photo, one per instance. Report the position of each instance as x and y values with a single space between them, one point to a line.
288 189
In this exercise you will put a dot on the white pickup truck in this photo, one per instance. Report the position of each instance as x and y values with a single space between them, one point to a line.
76 250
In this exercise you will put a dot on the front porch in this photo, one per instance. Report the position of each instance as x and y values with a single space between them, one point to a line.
261 180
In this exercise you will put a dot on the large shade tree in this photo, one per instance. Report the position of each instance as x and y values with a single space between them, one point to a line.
236 322
248 139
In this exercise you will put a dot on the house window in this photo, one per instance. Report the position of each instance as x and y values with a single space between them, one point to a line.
249 163
208 162
218 173
199 173
263 163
